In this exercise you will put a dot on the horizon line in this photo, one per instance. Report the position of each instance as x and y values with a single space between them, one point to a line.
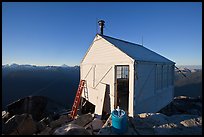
40 65
79 65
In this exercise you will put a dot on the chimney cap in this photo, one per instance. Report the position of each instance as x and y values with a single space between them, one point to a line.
101 21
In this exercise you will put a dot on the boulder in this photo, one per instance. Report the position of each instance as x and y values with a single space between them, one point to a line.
83 119
194 112
140 127
139 123
155 119
183 124
3 113
94 126
168 125
168 129
89 128
174 129
181 97
97 124
38 106
181 117
42 124
199 120
20 125
5 116
71 129
62 120
34 105
46 131
192 122
144 115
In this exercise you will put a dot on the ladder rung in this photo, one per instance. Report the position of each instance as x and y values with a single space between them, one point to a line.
74 104
75 101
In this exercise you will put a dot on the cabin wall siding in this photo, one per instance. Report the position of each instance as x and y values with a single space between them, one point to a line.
103 52
105 75
155 103
98 69
99 63
95 80
147 97
144 85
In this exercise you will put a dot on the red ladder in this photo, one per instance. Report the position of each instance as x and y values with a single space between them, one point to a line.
77 99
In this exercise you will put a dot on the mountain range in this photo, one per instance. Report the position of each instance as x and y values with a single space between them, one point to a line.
60 83
30 67
183 68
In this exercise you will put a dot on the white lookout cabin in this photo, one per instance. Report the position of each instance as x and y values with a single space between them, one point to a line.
128 75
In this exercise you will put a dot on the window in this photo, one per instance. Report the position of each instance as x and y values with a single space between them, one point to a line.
164 76
122 72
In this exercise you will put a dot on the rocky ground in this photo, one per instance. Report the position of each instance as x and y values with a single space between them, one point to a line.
181 117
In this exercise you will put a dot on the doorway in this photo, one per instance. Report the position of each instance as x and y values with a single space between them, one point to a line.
122 86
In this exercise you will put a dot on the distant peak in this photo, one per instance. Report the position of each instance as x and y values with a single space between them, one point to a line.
14 64
64 65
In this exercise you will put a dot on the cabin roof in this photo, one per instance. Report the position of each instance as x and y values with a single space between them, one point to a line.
136 51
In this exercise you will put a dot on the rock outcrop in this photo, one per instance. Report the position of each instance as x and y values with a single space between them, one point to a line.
180 117
20 125
71 129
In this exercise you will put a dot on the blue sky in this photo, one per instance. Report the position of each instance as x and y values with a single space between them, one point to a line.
60 33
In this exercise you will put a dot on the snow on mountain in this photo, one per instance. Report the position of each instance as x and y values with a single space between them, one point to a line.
15 66
64 66
183 69
189 69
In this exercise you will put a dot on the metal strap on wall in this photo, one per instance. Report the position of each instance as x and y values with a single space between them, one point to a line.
103 77
181 72
88 72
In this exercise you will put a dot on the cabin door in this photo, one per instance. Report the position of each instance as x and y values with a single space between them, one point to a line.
122 86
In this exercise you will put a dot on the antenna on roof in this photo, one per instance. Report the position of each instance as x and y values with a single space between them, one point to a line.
96 26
